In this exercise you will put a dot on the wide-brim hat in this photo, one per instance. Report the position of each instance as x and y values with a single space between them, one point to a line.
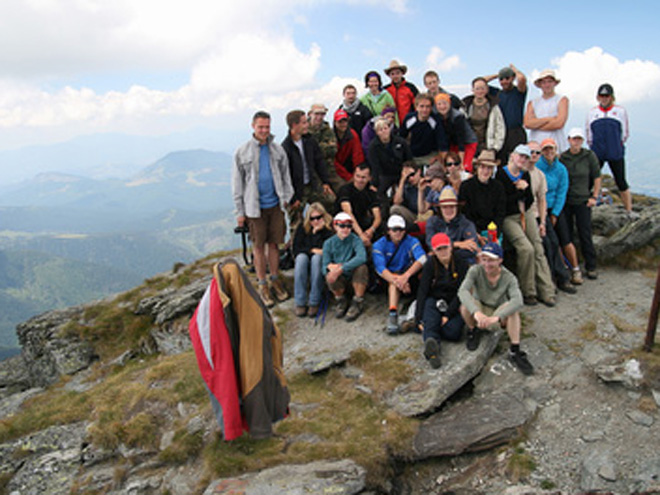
546 73
448 197
395 64
487 157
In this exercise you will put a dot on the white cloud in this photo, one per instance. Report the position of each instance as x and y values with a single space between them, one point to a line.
437 60
582 72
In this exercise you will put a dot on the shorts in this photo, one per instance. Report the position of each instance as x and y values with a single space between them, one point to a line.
269 228
359 276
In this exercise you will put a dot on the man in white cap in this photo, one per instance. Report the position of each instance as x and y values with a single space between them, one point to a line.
397 257
344 265
546 115
583 189
402 91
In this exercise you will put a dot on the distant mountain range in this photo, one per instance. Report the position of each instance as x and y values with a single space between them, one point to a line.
66 239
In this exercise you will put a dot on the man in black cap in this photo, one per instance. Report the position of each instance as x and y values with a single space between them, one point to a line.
511 100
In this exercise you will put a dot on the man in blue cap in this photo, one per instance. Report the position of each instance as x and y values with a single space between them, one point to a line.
490 295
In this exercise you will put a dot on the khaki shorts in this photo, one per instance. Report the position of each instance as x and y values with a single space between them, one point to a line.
359 276
269 228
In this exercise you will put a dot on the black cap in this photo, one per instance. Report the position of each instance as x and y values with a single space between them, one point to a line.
605 90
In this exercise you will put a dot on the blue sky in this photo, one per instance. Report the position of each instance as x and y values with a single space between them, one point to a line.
147 67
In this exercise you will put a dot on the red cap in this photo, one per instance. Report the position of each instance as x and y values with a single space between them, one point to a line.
341 114
439 240
548 142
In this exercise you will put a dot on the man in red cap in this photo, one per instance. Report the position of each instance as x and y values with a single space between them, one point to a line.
349 149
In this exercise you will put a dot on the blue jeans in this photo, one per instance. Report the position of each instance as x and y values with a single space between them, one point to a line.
433 327
308 270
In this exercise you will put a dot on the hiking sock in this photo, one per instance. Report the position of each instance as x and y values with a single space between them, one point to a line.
515 348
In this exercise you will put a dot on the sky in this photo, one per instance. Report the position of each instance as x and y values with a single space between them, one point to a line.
154 67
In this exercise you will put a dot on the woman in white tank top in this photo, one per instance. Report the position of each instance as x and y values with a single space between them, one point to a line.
546 116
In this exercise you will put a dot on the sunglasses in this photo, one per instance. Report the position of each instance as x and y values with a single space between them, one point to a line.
535 152
318 217
397 229
344 225
452 164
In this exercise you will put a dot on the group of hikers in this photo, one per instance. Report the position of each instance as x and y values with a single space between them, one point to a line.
428 196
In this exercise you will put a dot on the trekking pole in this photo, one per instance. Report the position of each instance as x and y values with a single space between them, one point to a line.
653 317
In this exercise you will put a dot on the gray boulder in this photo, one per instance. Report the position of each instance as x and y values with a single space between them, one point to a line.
431 388
343 477
172 303
14 376
633 235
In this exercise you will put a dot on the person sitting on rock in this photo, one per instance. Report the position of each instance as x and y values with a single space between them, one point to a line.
437 313
397 257
460 230
344 262
490 295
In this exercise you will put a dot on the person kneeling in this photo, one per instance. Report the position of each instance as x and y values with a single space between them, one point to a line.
397 258
344 261
489 295
437 313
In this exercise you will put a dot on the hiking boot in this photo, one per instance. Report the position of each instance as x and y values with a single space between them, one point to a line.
519 358
300 311
576 277
549 301
355 310
266 297
530 300
312 311
472 340
432 352
280 292
592 274
342 306
566 287
392 327
407 326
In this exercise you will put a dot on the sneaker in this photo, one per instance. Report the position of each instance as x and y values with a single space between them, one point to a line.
342 306
266 297
566 287
355 309
280 292
300 311
520 360
312 311
473 338
576 277
392 327
432 352
592 274
530 300
550 302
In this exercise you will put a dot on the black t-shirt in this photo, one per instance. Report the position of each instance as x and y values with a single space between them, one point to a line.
362 203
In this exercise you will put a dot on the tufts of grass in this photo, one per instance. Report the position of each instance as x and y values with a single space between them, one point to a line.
520 464
185 446
623 326
587 330
548 485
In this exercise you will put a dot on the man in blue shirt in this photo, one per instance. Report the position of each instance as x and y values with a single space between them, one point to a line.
397 258
261 187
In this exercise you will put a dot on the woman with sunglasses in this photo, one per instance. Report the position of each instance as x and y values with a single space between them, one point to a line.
344 266
397 257
308 252
437 312
456 174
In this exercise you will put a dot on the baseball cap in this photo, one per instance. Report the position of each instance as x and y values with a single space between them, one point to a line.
342 216
523 149
492 250
396 221
505 72
340 115
439 240
605 90
548 142
576 132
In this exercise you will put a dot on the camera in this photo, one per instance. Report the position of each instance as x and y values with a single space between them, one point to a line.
241 229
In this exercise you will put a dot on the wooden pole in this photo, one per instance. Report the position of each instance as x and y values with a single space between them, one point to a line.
653 317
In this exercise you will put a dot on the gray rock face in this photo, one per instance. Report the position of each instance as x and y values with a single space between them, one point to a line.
431 389
323 362
628 374
339 477
632 236
598 470
12 403
14 376
471 426
607 219
47 352
172 303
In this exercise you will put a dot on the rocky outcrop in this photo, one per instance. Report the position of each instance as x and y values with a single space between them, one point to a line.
48 351
172 303
337 477
633 235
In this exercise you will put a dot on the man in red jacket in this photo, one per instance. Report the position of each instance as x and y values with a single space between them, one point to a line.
349 149
401 90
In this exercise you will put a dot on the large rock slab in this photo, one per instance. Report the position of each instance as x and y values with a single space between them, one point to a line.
14 376
633 235
172 303
430 389
337 477
471 426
